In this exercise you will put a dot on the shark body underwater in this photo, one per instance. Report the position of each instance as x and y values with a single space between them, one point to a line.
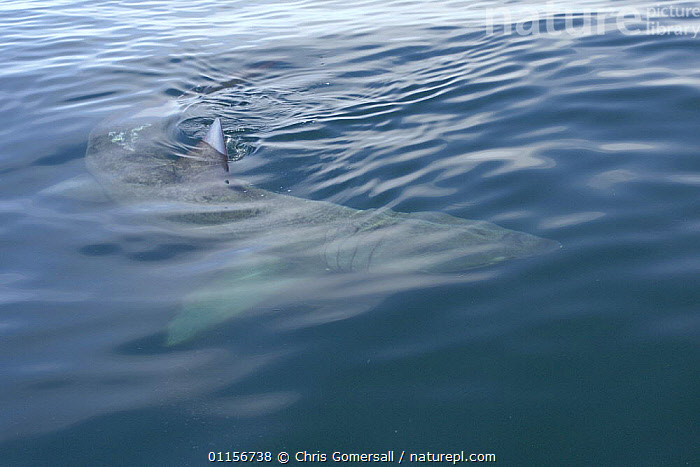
285 239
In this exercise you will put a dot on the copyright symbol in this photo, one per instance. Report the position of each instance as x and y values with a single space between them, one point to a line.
283 457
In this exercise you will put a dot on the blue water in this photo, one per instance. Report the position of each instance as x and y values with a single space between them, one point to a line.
585 356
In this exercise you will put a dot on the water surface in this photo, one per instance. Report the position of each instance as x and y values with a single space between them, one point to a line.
588 355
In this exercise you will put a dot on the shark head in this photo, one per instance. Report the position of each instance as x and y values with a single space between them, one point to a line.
428 242
482 244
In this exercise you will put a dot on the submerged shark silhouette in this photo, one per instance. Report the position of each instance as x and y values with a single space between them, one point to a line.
287 239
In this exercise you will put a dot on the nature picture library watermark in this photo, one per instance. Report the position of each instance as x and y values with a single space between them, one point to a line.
656 20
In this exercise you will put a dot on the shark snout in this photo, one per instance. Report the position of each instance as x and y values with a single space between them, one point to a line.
521 244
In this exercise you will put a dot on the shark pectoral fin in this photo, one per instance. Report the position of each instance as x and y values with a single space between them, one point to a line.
225 298
329 311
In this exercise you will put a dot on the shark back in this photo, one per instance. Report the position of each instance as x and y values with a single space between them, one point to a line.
136 160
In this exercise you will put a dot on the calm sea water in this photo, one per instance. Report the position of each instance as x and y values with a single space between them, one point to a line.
586 356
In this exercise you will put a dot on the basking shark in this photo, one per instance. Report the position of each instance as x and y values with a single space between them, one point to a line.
283 240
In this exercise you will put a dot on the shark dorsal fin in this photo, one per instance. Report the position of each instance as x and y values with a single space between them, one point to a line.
215 140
